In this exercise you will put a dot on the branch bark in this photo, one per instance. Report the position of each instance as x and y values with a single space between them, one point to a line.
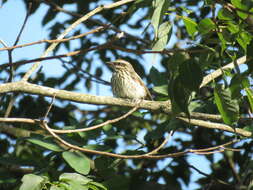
70 28
161 106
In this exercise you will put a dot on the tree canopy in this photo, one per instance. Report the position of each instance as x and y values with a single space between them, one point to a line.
200 79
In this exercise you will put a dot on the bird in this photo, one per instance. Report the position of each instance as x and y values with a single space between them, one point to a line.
126 83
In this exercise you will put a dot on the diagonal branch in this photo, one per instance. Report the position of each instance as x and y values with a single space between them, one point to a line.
70 28
218 72
44 125
97 126
149 155
98 29
219 126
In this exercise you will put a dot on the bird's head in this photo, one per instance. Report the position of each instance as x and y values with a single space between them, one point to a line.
119 65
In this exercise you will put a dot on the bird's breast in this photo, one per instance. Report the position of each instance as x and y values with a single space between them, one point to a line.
124 86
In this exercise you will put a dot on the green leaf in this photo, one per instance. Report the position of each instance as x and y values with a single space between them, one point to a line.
92 187
248 128
209 2
160 7
191 26
190 75
250 56
49 16
73 185
74 177
100 185
93 134
238 4
155 134
233 28
117 182
164 33
175 60
188 11
179 96
235 86
78 161
225 14
163 89
138 114
249 93
223 42
159 80
206 25
54 187
46 143
228 107
32 182
157 77
104 166
244 39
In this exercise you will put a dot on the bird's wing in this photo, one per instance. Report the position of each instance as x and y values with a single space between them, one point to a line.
138 79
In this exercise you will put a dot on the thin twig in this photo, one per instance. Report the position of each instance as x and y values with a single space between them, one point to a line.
97 126
45 126
149 155
50 107
161 145
12 68
74 14
73 53
98 29
165 51
206 175
70 28
81 72
16 42
215 147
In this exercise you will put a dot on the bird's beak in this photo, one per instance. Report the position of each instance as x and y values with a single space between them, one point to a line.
110 64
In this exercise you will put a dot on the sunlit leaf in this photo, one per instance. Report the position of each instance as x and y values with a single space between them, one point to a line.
163 89
191 26
32 182
99 185
240 5
160 7
78 161
159 80
228 107
46 143
244 39
74 177
250 97
164 33
206 25
225 14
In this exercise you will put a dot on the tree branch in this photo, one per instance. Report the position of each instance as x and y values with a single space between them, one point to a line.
161 106
219 126
71 27
98 29
97 126
218 72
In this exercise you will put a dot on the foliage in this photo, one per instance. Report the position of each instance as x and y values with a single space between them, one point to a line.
194 38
